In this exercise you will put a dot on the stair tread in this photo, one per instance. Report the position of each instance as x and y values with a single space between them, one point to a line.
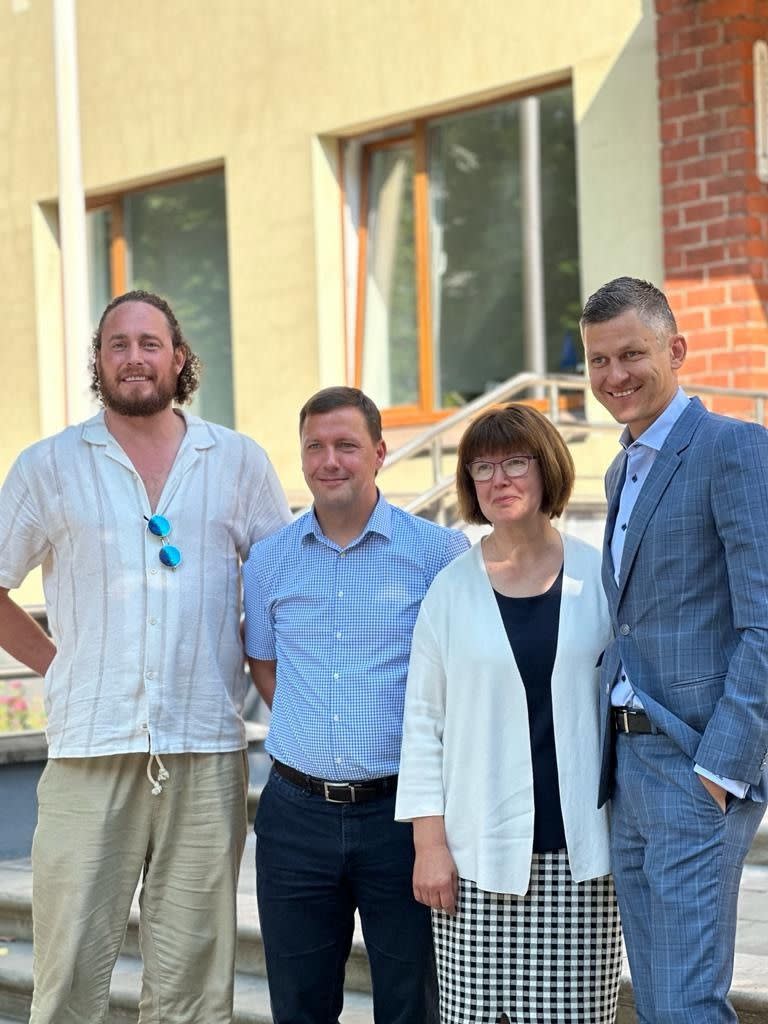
251 993
750 984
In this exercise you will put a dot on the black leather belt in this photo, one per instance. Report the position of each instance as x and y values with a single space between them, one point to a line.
339 792
634 720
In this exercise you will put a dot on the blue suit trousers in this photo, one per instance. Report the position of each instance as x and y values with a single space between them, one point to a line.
677 864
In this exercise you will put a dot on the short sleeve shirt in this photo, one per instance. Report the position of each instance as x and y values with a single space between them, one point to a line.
339 623
148 658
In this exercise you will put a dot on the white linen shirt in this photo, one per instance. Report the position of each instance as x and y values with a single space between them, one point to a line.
147 658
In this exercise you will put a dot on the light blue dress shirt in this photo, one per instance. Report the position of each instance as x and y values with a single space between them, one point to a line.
641 454
339 623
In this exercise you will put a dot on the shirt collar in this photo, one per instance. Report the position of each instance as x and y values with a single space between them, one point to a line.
657 433
380 522
198 434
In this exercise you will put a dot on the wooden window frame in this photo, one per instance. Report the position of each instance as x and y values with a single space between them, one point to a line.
424 412
115 203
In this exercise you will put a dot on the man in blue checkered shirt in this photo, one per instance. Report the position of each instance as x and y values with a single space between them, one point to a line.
330 602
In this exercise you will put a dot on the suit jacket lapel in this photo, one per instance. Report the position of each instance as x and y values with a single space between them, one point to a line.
665 465
615 477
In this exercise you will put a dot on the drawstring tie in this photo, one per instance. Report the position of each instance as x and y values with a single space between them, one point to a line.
162 775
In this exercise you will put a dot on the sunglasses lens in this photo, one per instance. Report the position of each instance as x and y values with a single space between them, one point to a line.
159 525
170 556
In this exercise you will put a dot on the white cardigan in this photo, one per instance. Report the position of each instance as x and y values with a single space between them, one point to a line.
466 750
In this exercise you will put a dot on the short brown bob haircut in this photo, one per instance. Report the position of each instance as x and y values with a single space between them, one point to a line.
515 429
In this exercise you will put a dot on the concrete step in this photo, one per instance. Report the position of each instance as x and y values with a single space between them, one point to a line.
749 993
16 921
251 994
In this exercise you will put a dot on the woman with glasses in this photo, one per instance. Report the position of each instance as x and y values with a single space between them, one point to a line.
500 754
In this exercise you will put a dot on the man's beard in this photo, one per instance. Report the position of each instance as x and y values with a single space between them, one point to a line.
149 405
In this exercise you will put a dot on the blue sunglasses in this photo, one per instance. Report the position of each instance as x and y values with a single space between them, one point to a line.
170 556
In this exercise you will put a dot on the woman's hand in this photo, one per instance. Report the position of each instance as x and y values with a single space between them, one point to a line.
435 879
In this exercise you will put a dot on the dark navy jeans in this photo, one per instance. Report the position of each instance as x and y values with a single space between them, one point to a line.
316 862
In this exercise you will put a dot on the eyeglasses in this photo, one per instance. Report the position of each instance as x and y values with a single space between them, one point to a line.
482 470
170 556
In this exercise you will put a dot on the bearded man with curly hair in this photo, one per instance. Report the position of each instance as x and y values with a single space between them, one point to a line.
140 518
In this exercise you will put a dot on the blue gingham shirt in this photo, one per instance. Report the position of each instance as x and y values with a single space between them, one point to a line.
339 623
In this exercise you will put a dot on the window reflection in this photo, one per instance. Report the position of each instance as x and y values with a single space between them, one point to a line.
390 348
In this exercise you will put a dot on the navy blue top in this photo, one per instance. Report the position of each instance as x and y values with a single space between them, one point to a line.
531 624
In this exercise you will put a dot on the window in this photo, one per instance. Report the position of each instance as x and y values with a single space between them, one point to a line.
441 254
172 239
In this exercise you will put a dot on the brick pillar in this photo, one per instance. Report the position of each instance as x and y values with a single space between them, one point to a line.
715 210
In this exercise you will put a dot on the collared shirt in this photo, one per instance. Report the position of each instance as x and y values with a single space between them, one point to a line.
148 658
339 623
641 455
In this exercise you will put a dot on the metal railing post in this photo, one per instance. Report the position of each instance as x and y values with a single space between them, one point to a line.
437 472
554 400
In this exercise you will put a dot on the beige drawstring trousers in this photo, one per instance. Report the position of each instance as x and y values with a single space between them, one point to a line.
103 827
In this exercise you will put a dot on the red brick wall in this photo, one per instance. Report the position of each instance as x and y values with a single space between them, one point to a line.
715 210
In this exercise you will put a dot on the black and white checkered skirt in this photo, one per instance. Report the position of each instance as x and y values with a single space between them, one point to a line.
552 956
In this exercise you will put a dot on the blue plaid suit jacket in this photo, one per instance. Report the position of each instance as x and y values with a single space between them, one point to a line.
690 611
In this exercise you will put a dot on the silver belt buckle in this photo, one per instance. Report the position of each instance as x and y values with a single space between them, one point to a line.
327 786
625 719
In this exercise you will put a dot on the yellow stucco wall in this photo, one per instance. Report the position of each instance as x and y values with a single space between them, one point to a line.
264 88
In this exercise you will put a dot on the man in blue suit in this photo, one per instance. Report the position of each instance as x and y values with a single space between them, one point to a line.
684 682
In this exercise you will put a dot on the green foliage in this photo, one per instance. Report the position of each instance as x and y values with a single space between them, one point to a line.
477 272
177 236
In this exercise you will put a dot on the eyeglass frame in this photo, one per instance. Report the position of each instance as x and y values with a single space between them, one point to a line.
500 462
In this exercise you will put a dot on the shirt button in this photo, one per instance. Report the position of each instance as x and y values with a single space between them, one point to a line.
338 760
623 678
144 727
625 629
151 674
335 718
340 593
153 572
342 554
335 675
338 636
153 622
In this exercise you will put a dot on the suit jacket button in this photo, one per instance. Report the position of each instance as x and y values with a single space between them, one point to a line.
624 629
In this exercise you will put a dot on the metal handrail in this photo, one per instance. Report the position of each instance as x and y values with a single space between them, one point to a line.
553 385
756 394
513 386
439 490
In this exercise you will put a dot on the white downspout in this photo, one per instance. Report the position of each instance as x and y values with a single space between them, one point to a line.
534 319
72 229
